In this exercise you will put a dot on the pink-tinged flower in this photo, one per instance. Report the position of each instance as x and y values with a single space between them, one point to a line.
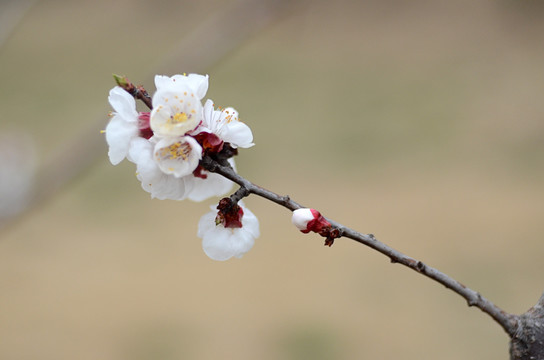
177 107
123 126
307 220
159 184
178 156
222 240
226 125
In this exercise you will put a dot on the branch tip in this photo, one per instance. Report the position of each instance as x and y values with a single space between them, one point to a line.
138 92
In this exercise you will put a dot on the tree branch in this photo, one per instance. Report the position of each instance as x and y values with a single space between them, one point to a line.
508 322
527 342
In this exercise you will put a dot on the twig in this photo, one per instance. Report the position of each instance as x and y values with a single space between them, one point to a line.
527 341
508 322
138 92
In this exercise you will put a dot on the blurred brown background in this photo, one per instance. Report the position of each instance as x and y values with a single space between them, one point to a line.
421 122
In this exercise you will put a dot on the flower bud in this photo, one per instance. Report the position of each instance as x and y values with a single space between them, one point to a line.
122 81
307 220
301 217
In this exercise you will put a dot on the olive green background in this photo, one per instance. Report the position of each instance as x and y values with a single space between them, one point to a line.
421 122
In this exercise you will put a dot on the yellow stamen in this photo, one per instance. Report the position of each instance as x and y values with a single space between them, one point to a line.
179 118
175 151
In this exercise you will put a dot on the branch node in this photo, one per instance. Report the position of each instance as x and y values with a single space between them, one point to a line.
475 301
331 233
241 193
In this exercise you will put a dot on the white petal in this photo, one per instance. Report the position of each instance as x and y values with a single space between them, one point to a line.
213 185
123 103
169 187
119 134
162 81
139 147
301 217
216 244
206 223
250 222
242 243
237 133
199 83
208 115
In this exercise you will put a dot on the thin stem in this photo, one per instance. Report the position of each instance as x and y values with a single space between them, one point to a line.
138 92
508 322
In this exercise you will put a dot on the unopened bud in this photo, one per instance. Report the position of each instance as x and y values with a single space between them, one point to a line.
307 220
122 81
301 218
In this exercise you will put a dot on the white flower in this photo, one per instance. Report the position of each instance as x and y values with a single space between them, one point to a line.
176 104
159 184
178 156
123 127
221 243
226 125
213 185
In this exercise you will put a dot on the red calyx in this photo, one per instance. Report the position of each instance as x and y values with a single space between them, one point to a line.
211 143
229 214
143 125
318 224
198 172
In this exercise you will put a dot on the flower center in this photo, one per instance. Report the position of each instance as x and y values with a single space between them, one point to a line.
230 116
175 151
180 118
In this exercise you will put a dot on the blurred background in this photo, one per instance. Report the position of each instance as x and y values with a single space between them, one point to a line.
421 122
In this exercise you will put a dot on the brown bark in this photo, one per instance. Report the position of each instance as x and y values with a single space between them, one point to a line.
528 340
